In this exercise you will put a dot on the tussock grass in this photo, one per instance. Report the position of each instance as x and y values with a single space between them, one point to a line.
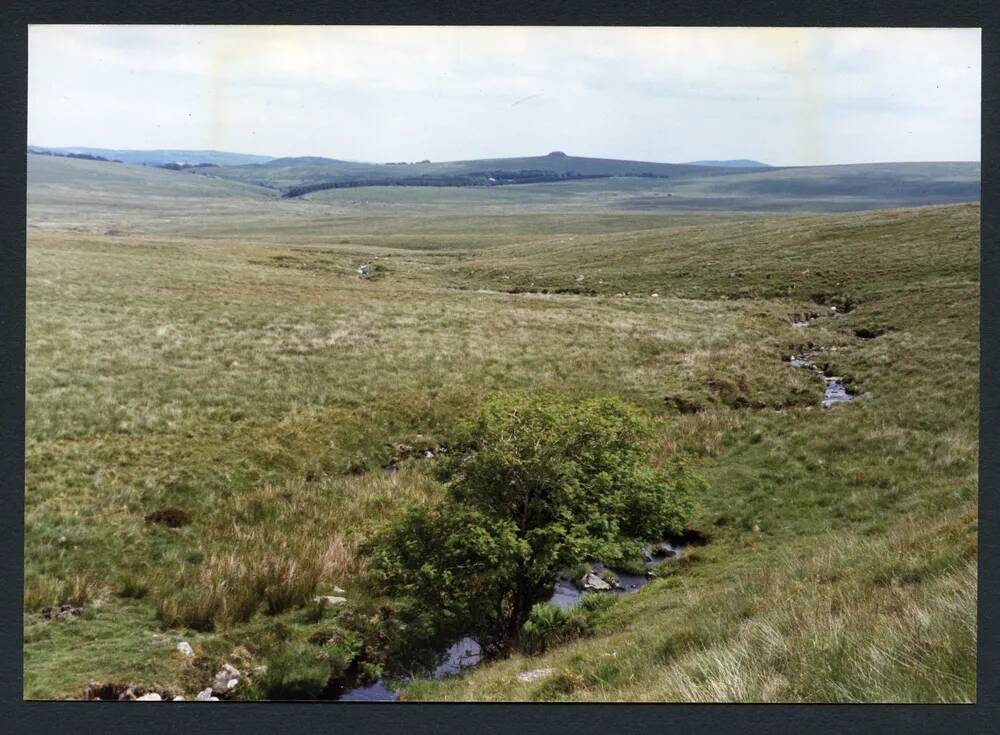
277 546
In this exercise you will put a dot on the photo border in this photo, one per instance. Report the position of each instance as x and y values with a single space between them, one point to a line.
480 717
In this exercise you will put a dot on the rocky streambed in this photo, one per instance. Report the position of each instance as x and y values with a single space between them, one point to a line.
466 653
834 389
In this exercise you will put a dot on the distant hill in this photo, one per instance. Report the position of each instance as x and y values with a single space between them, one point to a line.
838 188
733 163
77 185
158 157
68 179
297 176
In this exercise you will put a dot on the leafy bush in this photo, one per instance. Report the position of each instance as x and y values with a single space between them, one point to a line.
548 482
549 624
595 603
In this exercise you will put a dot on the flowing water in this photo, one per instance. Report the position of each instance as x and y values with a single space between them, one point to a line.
461 655
467 653
834 389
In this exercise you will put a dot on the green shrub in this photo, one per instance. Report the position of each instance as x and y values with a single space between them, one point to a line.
549 624
550 481
595 603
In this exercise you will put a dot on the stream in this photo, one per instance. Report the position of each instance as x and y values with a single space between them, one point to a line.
834 389
466 653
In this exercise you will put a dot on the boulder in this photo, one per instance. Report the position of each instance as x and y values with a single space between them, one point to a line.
205 695
591 581
152 697
185 648
226 679
664 548
330 599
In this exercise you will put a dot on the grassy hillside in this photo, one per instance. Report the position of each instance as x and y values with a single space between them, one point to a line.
827 188
284 173
639 185
222 355
161 156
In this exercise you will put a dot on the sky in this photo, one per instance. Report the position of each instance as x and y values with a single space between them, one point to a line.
785 96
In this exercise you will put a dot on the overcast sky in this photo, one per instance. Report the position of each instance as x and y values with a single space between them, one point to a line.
783 96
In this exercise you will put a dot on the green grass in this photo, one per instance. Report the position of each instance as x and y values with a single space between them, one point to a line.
230 362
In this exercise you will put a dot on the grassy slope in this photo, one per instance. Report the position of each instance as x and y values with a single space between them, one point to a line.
241 381
285 172
798 189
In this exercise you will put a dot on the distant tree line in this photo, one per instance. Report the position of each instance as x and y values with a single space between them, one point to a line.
478 178
183 166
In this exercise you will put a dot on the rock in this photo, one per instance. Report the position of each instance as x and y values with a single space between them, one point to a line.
665 548
127 696
330 599
153 697
205 695
185 648
591 581
656 295
178 698
226 679
338 591
579 278
534 674
61 612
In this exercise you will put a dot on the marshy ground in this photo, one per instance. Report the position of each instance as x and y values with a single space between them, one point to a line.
213 356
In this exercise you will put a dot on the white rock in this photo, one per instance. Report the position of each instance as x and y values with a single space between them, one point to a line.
153 697
592 582
205 695
185 648
338 591
178 698
534 674
330 599
226 679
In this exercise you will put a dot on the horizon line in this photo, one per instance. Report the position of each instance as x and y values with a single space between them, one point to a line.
492 158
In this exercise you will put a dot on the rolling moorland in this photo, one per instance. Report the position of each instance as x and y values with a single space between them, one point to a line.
203 343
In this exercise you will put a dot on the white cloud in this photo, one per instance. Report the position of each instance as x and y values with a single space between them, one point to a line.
405 93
